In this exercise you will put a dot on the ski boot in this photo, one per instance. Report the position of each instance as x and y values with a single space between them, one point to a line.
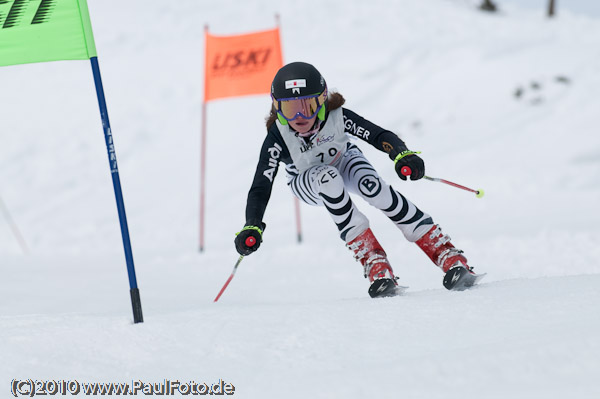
372 257
458 274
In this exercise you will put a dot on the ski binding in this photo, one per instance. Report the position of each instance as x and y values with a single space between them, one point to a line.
460 278
385 287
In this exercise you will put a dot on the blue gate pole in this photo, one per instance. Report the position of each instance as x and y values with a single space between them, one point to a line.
112 159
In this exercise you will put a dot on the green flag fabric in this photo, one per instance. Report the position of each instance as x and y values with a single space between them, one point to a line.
45 30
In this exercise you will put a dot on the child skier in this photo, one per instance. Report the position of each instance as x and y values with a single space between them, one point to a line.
307 130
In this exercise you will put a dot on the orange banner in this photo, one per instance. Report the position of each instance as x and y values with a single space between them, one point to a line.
241 65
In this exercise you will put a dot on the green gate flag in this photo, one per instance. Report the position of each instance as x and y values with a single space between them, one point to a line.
45 30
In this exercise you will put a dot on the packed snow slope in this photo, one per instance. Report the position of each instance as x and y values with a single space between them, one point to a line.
507 102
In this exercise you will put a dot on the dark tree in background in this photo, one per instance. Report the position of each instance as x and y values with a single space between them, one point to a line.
487 5
551 4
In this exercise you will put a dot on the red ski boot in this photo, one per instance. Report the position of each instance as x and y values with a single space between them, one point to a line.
378 270
440 250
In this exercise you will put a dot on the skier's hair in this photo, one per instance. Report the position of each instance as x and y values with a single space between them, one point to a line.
334 101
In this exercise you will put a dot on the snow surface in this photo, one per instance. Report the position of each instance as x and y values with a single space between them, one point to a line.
296 321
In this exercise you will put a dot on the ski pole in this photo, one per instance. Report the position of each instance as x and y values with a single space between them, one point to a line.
406 171
250 241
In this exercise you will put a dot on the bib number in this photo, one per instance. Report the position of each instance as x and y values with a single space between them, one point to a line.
332 152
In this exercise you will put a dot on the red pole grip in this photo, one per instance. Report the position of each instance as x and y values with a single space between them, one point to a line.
250 241
406 171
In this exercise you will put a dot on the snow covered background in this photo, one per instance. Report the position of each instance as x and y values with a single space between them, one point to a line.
296 321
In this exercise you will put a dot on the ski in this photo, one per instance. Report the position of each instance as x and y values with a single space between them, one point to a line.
385 287
459 279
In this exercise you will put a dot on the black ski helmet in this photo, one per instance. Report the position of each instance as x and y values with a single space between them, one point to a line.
298 79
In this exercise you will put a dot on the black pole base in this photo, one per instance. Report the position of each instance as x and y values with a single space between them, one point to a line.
136 303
